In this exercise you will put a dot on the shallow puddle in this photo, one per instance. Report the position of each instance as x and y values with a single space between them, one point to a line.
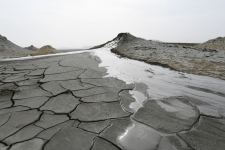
141 98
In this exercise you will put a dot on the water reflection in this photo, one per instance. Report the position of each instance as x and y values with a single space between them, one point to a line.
137 104
139 137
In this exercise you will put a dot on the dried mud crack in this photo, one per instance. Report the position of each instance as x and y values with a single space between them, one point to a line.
65 102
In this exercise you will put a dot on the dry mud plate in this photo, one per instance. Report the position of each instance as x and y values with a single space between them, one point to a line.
65 102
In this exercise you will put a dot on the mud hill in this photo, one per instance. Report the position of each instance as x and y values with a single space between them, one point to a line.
32 48
9 49
214 44
180 58
47 49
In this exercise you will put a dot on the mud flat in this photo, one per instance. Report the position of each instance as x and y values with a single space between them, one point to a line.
58 102
74 102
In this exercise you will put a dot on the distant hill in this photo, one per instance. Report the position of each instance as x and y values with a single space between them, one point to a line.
32 48
9 49
214 44
47 49
121 38
5 44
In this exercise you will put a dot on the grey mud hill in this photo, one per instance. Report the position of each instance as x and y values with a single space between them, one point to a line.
9 49
189 59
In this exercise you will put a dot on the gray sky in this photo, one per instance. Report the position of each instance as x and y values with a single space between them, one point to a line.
80 23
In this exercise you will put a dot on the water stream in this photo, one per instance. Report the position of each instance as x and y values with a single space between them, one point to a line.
155 82
161 82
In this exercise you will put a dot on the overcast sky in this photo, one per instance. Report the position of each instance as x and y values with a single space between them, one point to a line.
80 23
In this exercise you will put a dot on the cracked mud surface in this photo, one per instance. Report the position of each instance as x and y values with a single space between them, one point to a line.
65 102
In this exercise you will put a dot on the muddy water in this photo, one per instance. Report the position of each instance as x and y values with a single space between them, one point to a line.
161 82
155 82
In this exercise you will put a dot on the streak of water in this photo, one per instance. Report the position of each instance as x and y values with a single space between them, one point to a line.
162 82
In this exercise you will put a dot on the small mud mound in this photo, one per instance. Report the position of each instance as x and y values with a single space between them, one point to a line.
47 49
120 39
32 48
